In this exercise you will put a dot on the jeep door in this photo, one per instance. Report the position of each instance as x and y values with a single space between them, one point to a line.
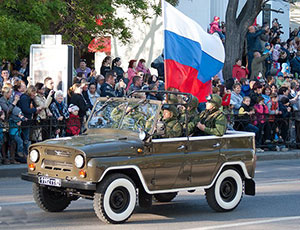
203 152
169 155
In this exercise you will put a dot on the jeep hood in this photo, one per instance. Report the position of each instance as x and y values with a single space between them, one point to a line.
99 145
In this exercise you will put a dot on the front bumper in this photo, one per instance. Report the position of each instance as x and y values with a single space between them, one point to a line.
64 183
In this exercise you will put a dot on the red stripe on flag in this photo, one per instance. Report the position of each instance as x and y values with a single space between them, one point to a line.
184 78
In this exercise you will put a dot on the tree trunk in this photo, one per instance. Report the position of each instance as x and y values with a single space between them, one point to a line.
236 30
233 39
234 50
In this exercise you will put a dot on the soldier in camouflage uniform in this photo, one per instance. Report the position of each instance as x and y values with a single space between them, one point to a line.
173 127
212 120
169 126
192 116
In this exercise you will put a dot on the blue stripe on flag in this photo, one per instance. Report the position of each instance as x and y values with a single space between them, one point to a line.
188 52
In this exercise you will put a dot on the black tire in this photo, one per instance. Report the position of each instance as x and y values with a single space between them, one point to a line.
115 199
165 197
227 191
48 200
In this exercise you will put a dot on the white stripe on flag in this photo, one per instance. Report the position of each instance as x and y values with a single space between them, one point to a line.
175 21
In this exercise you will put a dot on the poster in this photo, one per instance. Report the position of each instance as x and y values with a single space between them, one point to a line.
55 61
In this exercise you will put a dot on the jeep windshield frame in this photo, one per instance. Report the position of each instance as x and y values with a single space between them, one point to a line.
124 113
130 114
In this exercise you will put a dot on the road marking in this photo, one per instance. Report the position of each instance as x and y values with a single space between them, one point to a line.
17 203
248 223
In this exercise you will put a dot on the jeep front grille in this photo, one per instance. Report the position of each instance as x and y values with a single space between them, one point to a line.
58 153
57 165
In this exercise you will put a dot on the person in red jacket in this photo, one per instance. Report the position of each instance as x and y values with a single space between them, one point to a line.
239 71
73 123
225 94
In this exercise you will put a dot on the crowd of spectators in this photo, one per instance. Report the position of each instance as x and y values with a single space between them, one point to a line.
261 96
264 93
32 113
26 106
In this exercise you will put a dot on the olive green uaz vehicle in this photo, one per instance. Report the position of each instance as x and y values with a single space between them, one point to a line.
119 160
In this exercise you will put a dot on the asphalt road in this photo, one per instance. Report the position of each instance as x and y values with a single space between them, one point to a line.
276 206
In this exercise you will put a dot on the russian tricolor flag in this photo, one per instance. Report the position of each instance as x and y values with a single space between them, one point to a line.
192 56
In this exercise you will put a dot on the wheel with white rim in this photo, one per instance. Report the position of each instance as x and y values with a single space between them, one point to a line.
115 199
227 192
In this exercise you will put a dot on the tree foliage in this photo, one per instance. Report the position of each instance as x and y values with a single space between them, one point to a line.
23 21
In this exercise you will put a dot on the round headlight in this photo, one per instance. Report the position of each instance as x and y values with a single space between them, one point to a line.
142 135
34 155
79 161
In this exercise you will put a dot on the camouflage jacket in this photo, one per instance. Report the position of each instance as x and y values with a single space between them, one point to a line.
173 128
192 120
215 123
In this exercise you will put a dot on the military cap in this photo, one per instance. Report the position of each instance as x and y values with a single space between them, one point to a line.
215 99
194 102
171 108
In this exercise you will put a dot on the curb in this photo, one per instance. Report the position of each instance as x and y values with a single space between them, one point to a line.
267 156
12 170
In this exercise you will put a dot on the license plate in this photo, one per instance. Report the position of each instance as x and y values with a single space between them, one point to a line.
49 181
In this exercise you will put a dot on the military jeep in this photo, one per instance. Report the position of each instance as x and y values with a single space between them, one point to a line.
119 160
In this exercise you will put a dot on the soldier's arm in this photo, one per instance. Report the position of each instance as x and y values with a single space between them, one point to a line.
220 128
191 126
176 130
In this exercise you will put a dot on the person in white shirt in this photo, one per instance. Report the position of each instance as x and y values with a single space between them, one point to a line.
93 95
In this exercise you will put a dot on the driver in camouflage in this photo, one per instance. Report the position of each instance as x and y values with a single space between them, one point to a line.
212 119
173 127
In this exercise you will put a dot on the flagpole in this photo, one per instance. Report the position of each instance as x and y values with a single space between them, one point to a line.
164 44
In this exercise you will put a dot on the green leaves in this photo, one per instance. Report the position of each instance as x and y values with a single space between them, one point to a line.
23 21
16 37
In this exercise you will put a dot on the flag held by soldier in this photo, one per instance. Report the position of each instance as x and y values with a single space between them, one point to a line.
192 56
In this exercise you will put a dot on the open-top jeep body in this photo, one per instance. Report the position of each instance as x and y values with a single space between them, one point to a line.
113 163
